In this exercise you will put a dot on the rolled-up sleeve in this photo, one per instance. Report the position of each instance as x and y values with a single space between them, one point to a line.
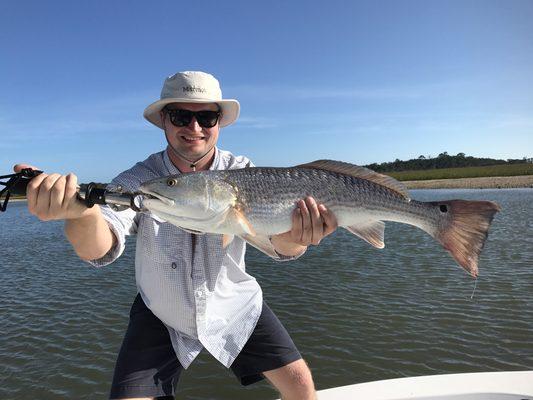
122 224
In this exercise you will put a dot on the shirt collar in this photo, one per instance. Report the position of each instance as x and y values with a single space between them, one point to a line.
173 170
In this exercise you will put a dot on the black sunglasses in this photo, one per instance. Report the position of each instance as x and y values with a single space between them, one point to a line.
180 118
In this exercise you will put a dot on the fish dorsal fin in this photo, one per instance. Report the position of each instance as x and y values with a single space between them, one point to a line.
359 172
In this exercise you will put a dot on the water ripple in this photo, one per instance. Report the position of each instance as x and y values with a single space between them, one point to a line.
356 313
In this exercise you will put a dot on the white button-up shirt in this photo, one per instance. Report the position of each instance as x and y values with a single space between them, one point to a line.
198 289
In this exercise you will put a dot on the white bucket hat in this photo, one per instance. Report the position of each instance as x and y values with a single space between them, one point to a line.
192 87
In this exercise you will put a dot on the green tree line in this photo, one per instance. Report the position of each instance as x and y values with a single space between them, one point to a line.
443 160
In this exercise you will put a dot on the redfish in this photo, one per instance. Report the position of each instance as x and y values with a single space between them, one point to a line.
256 203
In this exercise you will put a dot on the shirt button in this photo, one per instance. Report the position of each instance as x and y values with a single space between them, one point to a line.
174 265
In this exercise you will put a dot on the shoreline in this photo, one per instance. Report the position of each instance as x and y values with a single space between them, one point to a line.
493 182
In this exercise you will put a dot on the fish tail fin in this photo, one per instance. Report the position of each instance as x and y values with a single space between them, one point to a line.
464 228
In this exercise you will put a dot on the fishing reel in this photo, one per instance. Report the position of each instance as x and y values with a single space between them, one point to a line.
89 194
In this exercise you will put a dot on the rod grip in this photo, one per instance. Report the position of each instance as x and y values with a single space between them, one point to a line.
89 194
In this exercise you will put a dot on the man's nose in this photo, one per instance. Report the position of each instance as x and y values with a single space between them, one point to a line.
194 125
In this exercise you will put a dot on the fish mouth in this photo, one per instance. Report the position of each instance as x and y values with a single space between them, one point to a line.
156 196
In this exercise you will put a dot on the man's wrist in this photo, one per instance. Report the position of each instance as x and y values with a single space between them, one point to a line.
86 214
284 247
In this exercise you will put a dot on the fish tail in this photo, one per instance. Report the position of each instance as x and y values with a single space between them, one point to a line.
463 229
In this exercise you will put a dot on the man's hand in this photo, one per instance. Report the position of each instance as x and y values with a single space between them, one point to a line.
311 222
53 196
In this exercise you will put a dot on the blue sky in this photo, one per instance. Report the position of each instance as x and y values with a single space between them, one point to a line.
355 81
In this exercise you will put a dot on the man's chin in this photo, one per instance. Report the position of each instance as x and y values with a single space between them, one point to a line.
191 152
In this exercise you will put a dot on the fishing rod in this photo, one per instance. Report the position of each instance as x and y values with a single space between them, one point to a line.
88 193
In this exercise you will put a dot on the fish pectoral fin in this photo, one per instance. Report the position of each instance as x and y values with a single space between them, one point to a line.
242 224
192 231
262 243
226 240
372 232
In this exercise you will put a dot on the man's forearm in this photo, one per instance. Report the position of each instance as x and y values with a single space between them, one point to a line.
90 235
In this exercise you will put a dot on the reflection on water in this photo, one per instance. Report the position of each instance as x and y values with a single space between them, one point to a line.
356 313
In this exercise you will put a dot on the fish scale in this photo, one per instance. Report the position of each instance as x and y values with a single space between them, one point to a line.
268 194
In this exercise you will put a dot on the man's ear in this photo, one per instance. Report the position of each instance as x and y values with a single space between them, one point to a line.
162 116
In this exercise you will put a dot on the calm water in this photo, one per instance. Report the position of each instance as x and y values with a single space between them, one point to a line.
356 313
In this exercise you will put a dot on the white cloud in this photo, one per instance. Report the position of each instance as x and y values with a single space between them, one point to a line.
246 122
517 122
321 91
21 131
62 120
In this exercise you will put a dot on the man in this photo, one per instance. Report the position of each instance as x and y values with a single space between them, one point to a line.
193 293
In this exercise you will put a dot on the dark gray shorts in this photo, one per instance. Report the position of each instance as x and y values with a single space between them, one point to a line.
147 365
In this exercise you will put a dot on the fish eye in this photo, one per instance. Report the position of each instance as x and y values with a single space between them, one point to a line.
171 182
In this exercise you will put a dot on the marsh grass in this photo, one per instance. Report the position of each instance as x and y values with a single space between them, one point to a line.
465 172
